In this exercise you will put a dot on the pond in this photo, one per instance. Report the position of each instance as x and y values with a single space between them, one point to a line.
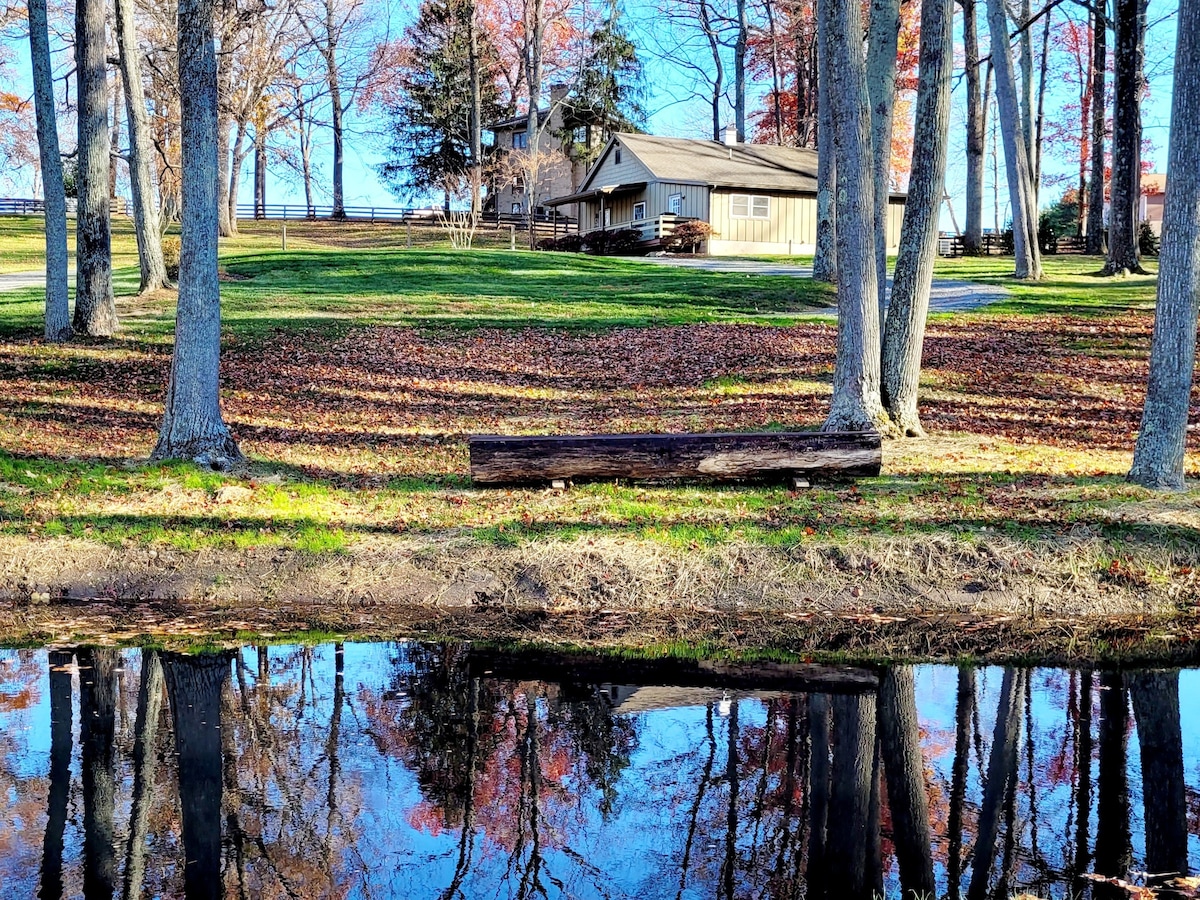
438 771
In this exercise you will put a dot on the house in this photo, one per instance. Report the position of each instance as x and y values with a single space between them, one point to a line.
1150 204
561 168
757 198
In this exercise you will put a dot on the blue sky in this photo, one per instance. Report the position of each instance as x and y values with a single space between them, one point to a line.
673 114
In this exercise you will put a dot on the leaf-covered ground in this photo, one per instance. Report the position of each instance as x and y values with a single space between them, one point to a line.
353 383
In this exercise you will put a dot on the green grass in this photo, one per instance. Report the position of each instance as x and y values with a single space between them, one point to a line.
1071 285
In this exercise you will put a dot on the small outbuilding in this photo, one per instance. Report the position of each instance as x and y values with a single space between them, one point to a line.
757 198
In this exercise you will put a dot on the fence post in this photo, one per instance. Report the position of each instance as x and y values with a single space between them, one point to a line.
512 237
284 232
408 233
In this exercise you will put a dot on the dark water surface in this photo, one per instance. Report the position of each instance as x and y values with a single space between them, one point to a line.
410 770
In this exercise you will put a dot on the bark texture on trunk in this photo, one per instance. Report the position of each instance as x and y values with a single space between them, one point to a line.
883 39
1160 738
226 217
145 214
1129 20
58 310
58 799
976 131
904 768
1159 455
904 331
194 685
95 307
825 255
97 736
192 427
856 404
1016 156
1096 242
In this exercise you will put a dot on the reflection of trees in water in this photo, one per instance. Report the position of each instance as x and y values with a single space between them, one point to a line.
529 785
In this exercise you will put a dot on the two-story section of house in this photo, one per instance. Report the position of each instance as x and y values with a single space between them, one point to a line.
562 157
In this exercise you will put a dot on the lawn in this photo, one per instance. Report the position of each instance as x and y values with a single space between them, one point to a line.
353 374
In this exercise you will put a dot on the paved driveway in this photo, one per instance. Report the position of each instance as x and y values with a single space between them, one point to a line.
15 281
946 295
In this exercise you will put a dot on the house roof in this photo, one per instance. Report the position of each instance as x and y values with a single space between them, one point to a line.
711 162
1154 183
518 121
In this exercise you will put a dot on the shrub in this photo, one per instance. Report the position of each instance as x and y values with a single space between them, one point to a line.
171 248
625 240
548 243
569 243
688 236
595 242
1147 239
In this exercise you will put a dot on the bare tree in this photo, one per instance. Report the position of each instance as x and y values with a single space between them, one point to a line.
1159 455
1016 155
95 306
192 427
977 104
1095 223
145 214
856 402
883 37
1129 20
904 333
58 313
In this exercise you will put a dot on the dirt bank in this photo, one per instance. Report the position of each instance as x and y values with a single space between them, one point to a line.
914 597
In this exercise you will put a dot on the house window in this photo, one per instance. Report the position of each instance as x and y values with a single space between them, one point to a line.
516 208
580 136
639 211
617 156
520 140
675 204
749 206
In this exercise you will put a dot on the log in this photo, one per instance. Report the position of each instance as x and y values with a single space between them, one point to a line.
497 459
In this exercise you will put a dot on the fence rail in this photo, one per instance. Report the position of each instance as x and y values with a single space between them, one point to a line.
25 206
394 214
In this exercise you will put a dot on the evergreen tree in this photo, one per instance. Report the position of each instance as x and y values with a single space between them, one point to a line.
608 97
432 120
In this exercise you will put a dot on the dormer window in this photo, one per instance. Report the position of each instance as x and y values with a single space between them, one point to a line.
617 155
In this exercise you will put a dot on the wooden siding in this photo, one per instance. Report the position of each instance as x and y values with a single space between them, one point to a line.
793 218
610 172
656 195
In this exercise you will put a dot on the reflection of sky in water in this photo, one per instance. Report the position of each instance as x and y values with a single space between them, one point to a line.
388 840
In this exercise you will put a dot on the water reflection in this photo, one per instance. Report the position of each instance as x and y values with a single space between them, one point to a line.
415 770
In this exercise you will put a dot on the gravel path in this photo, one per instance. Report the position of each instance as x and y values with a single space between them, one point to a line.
946 295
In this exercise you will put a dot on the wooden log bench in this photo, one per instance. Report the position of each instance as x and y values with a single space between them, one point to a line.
497 459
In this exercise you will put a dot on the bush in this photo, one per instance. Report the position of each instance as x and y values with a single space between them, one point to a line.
1147 239
595 242
569 243
547 244
688 236
626 240
171 248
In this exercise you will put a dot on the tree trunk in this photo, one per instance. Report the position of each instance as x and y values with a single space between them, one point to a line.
976 129
1002 766
58 310
237 158
260 172
847 840
194 685
904 331
776 85
1159 455
1039 120
95 307
145 733
1156 710
903 765
825 255
336 109
882 42
1095 228
476 112
1016 159
739 71
114 138
1025 51
145 215
817 874
1130 24
1083 788
61 733
718 69
964 707
97 736
1114 844
192 427
226 218
856 405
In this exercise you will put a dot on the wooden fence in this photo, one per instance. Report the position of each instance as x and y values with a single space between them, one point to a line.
23 206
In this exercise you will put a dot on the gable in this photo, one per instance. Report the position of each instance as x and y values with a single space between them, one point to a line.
608 171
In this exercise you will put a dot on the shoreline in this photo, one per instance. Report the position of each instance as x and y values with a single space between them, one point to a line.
935 599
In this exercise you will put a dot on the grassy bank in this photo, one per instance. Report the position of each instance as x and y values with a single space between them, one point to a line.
352 375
